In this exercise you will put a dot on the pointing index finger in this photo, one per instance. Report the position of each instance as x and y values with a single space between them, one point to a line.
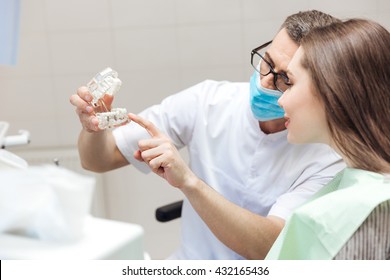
149 126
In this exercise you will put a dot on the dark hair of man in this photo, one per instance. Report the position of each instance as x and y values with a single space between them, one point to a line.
349 66
301 23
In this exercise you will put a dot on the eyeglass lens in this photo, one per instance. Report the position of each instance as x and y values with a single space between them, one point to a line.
265 69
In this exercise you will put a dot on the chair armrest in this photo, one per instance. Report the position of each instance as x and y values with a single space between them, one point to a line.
169 212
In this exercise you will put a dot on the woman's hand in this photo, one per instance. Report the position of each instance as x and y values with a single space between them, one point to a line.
162 156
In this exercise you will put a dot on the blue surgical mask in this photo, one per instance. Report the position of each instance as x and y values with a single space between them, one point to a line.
264 101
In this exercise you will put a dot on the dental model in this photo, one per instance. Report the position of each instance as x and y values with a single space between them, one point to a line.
107 82
111 119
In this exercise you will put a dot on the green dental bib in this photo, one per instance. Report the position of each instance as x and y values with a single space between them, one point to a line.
320 228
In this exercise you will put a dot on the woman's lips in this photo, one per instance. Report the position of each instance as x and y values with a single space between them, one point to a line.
287 121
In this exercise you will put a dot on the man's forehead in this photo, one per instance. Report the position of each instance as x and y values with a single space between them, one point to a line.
281 50
295 61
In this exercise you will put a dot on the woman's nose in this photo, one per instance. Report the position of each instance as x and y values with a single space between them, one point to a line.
281 100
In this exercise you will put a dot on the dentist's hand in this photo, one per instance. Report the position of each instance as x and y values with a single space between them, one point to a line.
86 112
162 156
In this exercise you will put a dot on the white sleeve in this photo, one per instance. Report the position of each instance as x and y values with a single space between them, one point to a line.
314 177
128 146
175 116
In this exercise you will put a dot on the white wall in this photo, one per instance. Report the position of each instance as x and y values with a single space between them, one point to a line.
158 47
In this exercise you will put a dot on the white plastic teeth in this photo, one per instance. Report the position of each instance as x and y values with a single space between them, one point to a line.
107 82
111 119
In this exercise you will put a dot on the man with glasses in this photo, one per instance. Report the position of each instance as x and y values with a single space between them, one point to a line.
236 147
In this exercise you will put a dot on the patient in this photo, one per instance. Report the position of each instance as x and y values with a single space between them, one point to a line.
339 95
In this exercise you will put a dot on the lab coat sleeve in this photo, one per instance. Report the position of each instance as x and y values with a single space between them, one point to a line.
314 177
175 116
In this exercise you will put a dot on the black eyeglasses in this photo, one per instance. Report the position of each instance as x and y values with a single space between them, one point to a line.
261 65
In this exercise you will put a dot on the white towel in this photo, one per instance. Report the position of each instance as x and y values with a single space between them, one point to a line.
45 202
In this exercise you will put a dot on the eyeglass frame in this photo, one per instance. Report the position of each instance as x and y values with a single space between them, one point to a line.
271 69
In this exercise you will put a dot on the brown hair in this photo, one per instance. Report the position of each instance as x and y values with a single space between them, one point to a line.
349 64
298 25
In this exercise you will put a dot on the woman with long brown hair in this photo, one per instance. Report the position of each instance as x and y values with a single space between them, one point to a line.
339 95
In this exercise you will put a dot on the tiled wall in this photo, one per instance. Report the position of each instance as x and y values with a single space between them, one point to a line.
158 47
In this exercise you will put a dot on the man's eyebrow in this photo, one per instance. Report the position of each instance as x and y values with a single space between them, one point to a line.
269 58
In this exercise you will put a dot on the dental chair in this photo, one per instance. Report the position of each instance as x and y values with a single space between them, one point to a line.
371 240
8 159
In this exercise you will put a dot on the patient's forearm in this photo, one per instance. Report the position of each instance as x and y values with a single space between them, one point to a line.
246 233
